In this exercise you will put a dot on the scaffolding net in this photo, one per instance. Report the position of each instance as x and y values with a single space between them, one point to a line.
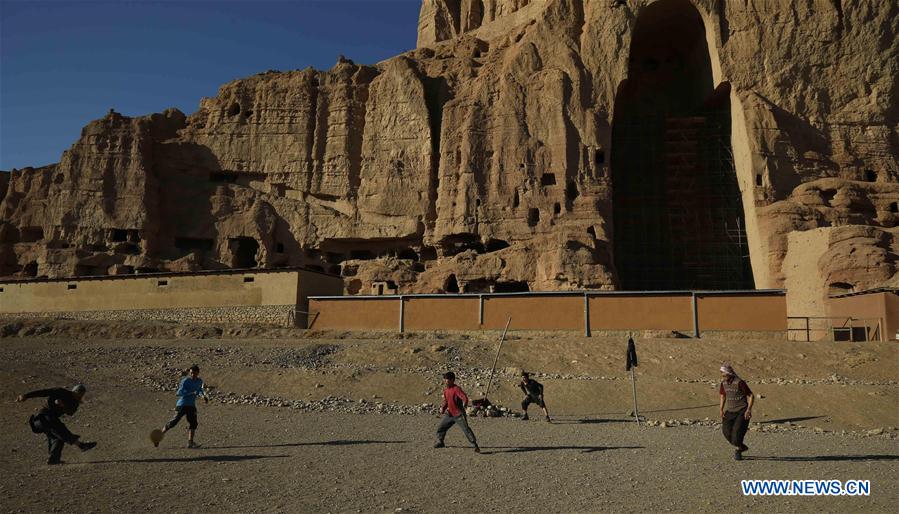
678 213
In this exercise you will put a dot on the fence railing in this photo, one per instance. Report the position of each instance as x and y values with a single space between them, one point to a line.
834 328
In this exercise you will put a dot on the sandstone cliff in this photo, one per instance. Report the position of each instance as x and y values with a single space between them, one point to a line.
484 159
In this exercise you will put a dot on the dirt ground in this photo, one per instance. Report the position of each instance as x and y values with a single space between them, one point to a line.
294 422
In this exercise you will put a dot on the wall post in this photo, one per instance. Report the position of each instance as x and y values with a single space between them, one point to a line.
402 313
480 310
586 315
695 316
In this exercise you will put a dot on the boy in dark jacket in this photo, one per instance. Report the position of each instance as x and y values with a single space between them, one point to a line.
533 392
60 402
453 409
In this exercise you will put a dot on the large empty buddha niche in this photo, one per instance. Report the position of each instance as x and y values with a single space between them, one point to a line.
243 252
678 214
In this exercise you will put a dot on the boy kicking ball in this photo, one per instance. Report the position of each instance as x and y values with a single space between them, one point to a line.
189 389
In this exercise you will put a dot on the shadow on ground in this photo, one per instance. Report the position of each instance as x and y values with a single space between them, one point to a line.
583 449
340 442
199 458
827 458
788 420
589 421
679 408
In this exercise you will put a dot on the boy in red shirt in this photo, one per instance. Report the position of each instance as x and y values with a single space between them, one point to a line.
453 409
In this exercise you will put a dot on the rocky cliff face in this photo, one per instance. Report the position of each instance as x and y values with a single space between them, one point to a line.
484 159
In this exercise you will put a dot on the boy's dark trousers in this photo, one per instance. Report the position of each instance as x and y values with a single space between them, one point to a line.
57 434
450 420
181 411
734 426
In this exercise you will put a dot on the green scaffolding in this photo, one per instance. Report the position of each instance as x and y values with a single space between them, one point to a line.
678 214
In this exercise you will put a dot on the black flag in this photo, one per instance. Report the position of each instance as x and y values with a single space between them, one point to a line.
631 354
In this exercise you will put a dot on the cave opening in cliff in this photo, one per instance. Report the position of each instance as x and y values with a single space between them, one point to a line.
243 252
677 210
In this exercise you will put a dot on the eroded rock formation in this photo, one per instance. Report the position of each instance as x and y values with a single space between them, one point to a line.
484 159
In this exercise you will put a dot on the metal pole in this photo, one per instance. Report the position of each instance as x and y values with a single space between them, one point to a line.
402 314
495 359
480 309
586 316
634 385
695 317
808 330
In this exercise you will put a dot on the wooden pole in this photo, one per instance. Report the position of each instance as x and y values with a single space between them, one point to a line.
634 385
495 359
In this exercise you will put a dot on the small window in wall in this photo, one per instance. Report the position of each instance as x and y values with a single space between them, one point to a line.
870 176
71 287
361 255
571 191
30 269
836 288
758 179
408 253
548 179
894 207
511 287
162 283
450 285
600 157
31 234
533 217
247 280
494 245
1 289
428 253
557 208
515 200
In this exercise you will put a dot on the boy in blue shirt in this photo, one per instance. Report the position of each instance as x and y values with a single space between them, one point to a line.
190 387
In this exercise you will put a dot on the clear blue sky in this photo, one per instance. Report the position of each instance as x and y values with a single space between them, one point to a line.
64 63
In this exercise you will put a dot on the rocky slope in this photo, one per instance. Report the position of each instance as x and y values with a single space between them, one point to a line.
483 159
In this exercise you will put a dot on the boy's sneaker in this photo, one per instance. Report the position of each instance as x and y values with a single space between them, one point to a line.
191 444
86 446
743 447
439 445
477 449
525 417
738 455
548 420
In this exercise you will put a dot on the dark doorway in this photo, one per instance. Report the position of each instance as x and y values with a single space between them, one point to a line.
243 252
678 213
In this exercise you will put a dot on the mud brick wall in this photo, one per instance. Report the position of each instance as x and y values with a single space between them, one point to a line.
279 315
